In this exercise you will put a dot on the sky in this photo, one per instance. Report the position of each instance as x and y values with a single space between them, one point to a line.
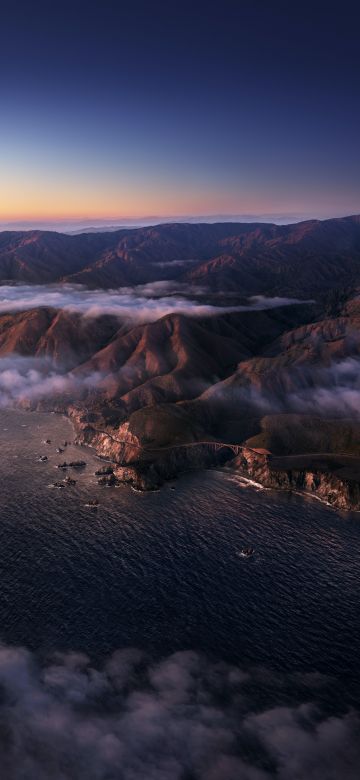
114 110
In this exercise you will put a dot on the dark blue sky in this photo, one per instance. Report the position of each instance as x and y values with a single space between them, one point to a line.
117 109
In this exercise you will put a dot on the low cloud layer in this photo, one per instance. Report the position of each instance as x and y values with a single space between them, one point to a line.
177 719
332 391
261 302
329 392
174 263
144 303
31 379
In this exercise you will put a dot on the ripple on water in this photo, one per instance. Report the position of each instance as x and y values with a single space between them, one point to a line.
162 570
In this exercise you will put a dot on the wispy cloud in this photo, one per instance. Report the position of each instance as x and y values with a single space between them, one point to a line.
31 379
143 303
325 391
174 263
177 718
331 390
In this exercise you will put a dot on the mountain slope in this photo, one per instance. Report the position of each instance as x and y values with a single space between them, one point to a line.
285 379
246 259
64 339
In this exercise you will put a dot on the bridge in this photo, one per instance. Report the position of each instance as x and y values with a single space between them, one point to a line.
210 443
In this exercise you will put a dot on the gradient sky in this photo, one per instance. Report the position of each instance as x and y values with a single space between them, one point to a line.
115 109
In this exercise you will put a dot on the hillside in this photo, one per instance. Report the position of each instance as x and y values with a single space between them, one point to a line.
246 259
283 380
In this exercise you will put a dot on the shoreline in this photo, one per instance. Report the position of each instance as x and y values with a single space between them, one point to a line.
303 494
151 475
253 465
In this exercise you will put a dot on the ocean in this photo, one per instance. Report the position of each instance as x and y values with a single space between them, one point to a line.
162 569
161 573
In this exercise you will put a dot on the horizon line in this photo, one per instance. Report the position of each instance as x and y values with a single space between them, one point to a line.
81 224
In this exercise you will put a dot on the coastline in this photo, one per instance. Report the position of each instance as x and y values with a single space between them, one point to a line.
259 468
312 475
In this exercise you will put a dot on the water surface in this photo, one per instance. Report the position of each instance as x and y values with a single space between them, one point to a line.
161 571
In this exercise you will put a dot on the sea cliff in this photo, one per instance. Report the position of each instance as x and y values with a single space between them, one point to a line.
143 467
333 479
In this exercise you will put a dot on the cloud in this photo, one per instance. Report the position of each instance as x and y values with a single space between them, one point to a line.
331 390
143 303
175 263
325 391
261 302
181 717
30 379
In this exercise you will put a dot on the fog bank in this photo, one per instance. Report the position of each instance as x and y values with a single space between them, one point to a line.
143 303
183 717
309 389
24 380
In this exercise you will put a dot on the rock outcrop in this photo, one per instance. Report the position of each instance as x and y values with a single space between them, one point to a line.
333 479
144 467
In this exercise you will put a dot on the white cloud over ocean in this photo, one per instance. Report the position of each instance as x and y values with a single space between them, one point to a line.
178 718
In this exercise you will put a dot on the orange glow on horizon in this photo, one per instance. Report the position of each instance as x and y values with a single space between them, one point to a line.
65 196
24 200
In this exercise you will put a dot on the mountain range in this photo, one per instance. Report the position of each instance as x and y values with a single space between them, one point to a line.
248 258
281 380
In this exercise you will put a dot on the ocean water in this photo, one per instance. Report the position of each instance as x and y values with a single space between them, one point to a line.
162 571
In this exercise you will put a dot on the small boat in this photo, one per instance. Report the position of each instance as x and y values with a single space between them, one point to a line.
246 552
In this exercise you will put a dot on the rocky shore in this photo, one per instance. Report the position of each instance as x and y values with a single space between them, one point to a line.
333 479
143 468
